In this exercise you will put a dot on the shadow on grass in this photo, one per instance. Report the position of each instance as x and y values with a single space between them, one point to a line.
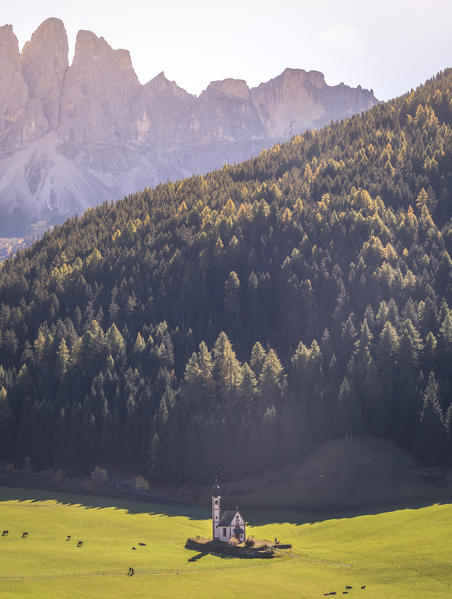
262 518
131 506
196 558
254 517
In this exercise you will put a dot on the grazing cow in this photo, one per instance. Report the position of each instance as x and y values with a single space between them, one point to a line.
24 535
134 548
348 587
142 544
80 543
363 587
5 533
68 538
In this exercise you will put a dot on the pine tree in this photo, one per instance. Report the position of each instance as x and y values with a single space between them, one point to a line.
272 380
232 302
60 439
140 344
429 354
6 426
348 411
257 360
153 468
247 391
62 360
251 317
114 340
409 400
431 438
448 423
444 349
226 368
363 368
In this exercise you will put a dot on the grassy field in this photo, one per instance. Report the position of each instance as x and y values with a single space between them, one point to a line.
399 554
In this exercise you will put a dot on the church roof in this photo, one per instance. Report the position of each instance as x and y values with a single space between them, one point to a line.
227 517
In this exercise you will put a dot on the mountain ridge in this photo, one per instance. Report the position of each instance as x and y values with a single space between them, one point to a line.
115 135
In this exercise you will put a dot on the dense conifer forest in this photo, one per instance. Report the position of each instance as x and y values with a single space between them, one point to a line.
227 323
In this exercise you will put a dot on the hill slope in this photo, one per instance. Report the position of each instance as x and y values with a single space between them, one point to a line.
227 323
400 554
360 474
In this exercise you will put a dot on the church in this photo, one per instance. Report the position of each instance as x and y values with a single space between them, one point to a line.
227 525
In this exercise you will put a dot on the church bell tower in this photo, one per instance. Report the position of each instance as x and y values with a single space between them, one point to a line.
216 510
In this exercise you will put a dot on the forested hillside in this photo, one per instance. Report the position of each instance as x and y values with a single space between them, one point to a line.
226 323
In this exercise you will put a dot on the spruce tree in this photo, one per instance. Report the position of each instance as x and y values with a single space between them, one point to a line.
62 361
431 437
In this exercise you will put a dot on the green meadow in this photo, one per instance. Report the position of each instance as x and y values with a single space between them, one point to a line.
397 554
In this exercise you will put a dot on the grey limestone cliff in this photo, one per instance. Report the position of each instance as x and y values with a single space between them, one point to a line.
74 135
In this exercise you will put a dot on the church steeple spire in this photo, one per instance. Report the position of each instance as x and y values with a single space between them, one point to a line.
216 509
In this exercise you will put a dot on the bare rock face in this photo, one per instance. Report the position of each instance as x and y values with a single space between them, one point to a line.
13 89
278 102
44 65
159 112
72 136
224 112
235 88
298 100
99 88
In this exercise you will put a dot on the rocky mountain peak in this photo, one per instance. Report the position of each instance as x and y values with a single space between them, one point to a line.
160 83
317 79
88 46
13 89
278 101
97 53
98 90
44 64
9 48
299 78
236 88
51 31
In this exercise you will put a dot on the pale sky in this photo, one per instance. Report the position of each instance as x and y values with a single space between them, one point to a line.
387 45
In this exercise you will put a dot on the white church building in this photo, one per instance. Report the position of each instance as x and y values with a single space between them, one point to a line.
228 524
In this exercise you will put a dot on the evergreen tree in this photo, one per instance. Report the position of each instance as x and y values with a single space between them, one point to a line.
226 368
231 301
431 441
6 426
349 417
62 361
257 360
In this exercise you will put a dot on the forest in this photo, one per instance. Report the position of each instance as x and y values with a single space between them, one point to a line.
227 323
